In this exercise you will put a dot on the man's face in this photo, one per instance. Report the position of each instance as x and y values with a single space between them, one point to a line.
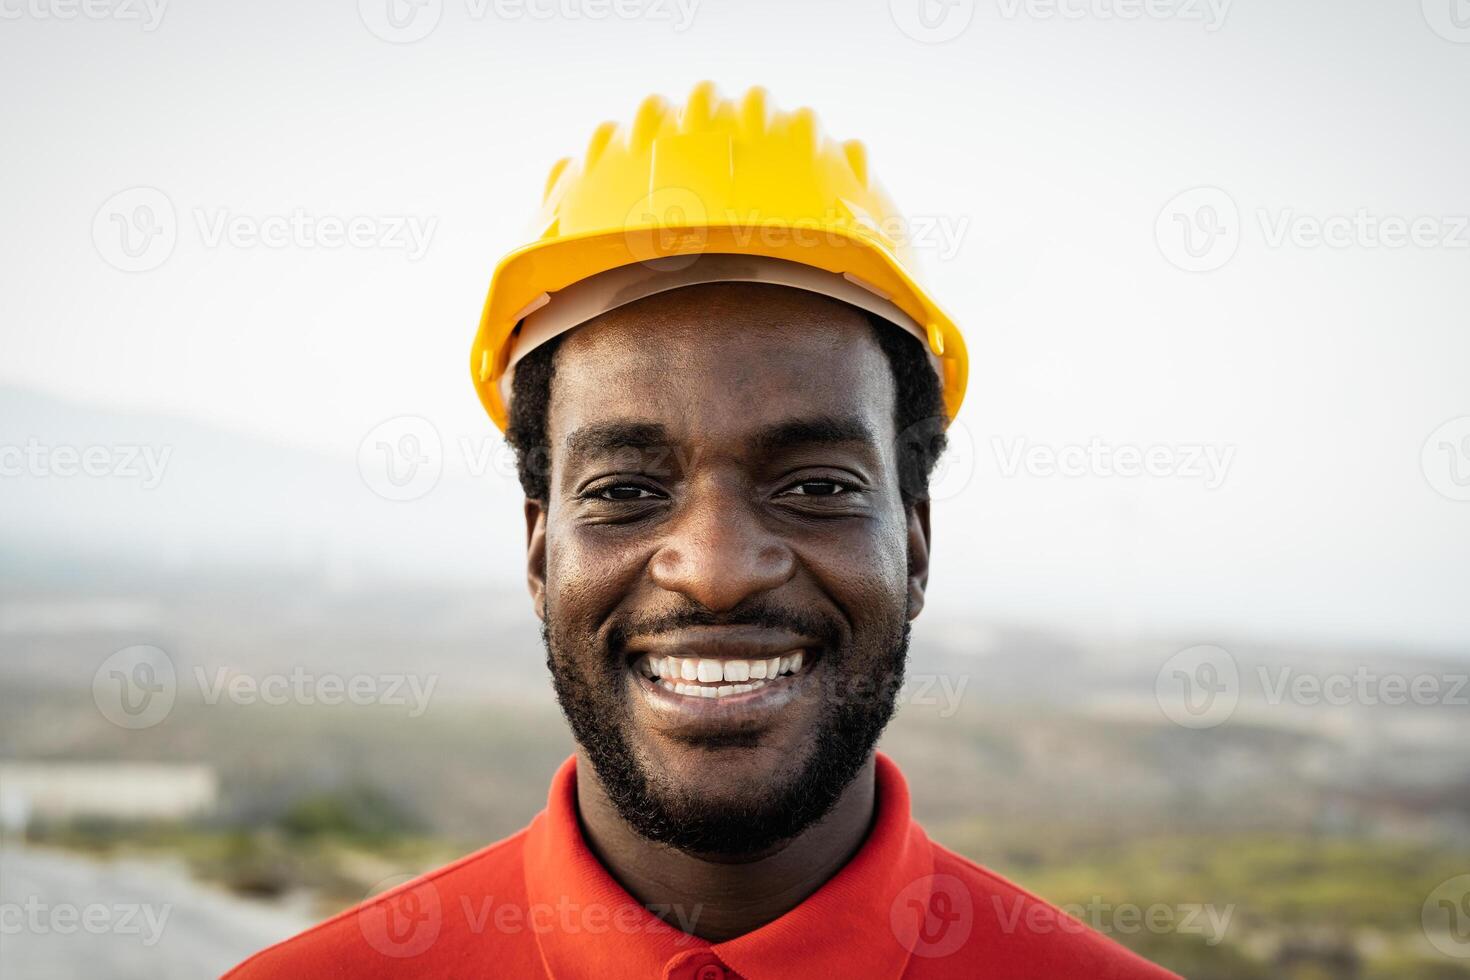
724 565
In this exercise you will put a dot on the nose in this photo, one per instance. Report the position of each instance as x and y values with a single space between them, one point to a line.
718 553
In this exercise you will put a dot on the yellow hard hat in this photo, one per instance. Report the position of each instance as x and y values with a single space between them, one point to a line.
715 191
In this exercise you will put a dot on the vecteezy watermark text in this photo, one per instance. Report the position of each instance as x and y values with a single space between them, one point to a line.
149 13
136 687
1210 13
35 917
1114 918
1362 686
143 463
405 233
405 915
1207 463
306 688
1201 229
407 21
137 229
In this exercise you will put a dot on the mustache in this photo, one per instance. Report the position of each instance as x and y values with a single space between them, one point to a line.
756 613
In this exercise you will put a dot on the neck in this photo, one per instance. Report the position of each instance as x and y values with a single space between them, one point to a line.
715 899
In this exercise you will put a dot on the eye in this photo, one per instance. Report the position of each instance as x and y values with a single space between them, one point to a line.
623 491
819 488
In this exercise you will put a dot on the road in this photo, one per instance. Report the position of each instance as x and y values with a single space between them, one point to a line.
64 915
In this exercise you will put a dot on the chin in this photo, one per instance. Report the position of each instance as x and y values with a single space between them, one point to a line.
725 773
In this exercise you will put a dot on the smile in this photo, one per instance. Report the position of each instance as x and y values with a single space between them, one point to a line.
709 677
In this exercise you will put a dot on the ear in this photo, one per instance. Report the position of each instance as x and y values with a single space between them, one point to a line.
918 521
536 555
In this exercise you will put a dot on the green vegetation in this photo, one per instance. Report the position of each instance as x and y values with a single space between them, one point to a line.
358 813
1293 907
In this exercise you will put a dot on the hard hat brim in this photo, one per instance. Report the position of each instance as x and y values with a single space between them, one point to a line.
526 279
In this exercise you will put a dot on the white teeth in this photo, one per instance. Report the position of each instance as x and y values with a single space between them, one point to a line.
675 673
709 690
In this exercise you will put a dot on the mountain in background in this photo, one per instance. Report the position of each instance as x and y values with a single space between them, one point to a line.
184 498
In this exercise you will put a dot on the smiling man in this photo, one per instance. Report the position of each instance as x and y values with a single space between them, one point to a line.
726 393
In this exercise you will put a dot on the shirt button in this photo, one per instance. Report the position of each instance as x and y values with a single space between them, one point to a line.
710 972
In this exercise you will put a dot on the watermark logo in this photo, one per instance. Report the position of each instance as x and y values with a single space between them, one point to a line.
401 459
1198 687
405 923
1445 917
136 230
932 21
1445 459
1450 19
933 916
667 228
1199 229
135 687
400 21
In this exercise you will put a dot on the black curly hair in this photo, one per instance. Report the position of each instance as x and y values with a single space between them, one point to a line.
918 412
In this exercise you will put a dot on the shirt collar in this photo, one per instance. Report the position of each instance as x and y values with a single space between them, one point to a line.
844 929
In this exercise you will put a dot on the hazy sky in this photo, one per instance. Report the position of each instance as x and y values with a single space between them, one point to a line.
1301 320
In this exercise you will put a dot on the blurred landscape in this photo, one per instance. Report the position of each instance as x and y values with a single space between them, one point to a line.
1296 838
265 647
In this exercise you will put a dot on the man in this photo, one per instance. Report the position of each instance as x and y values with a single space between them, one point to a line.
726 393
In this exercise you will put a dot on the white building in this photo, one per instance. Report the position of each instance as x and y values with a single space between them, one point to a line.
115 790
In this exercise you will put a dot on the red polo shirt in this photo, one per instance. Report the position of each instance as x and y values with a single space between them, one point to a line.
539 904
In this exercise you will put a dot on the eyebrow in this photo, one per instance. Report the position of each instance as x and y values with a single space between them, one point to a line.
603 438
815 431
606 438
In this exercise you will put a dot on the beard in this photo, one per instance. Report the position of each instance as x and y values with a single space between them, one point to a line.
590 681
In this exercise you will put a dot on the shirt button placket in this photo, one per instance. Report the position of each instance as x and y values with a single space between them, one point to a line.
702 965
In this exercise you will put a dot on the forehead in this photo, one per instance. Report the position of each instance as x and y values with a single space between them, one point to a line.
716 363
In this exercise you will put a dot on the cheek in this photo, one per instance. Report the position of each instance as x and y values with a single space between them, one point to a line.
867 574
589 575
